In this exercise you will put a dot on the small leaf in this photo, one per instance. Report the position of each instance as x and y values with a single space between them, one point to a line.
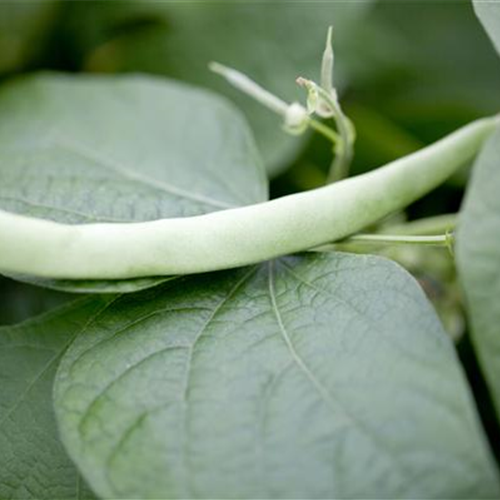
33 462
478 259
95 149
325 376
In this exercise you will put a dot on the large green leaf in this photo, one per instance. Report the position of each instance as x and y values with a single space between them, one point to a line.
488 13
478 255
91 149
327 376
274 42
33 462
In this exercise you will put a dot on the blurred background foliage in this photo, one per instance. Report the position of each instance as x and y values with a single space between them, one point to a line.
408 72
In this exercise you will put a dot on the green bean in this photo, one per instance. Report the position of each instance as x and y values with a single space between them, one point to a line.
233 237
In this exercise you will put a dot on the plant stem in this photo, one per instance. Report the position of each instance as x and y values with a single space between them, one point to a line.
234 237
327 132
344 150
429 225
442 240
248 86
421 232
354 242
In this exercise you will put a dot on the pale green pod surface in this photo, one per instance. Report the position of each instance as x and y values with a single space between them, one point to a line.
233 237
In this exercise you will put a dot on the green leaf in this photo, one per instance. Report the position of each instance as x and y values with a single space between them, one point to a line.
478 258
488 13
33 462
273 43
91 149
325 376
19 301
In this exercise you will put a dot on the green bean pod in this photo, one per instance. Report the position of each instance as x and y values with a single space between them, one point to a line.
233 237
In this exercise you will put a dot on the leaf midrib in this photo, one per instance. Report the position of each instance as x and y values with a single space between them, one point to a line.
112 165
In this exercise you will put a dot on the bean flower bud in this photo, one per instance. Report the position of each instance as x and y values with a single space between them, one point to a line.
296 119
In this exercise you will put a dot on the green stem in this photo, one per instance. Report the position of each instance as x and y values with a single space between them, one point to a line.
442 240
429 225
344 151
353 242
327 132
234 237
248 86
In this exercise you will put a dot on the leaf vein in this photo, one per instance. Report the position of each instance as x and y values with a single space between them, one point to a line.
114 166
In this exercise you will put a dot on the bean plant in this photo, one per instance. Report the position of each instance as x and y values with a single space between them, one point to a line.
187 335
